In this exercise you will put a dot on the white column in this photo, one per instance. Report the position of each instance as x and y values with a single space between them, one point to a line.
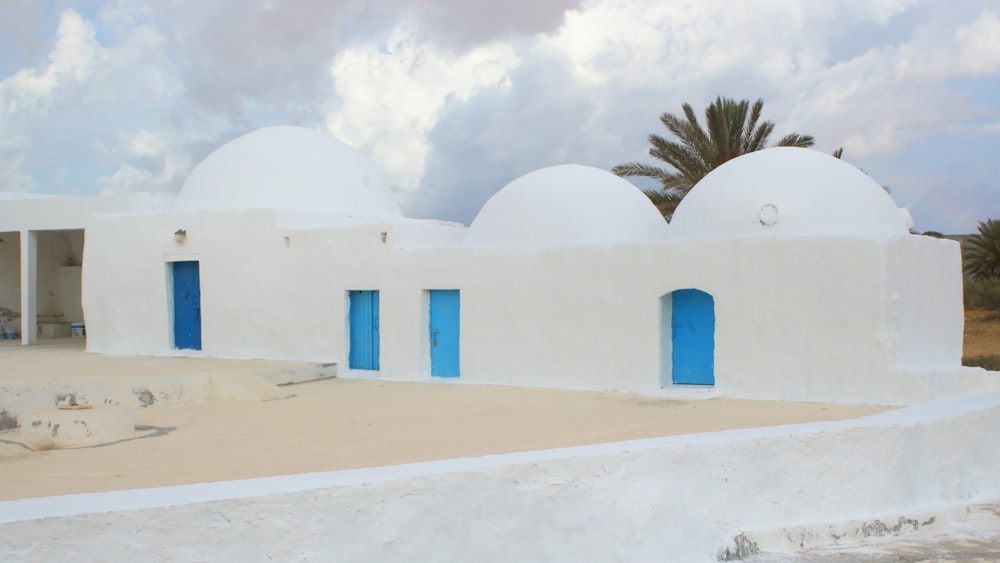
29 287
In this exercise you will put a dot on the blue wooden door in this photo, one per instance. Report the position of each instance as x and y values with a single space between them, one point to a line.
444 332
187 306
693 337
363 316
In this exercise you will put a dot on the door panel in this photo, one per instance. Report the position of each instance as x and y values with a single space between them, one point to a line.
364 330
187 305
445 320
693 337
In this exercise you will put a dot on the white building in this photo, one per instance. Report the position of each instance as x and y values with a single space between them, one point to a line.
41 252
785 274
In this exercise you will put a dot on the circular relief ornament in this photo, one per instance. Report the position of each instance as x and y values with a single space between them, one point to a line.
768 214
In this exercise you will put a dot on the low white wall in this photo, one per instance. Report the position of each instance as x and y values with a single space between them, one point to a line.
682 498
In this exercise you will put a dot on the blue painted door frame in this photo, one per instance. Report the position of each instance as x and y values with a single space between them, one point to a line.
693 337
445 320
364 333
187 305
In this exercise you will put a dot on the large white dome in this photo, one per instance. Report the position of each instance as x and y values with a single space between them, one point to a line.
786 191
568 205
288 168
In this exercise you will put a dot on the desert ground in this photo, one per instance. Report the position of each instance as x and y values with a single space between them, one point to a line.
349 423
982 333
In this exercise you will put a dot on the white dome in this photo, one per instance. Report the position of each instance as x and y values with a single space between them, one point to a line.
567 205
288 168
786 191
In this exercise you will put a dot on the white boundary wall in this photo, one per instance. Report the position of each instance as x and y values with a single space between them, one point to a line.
682 498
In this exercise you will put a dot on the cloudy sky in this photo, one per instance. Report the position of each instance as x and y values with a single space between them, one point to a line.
455 98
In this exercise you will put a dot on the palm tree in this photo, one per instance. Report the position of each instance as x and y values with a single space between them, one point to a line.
733 130
981 257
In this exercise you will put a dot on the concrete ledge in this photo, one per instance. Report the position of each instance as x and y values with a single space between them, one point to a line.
135 392
300 374
46 428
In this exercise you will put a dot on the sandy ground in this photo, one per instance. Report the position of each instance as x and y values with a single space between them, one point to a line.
343 423
982 333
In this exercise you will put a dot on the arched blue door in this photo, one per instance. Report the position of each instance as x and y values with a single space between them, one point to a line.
363 319
187 305
693 337
444 332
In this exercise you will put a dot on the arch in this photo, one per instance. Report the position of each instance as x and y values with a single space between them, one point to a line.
687 338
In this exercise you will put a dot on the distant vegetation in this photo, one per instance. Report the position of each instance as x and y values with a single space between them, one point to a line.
733 129
982 295
981 255
981 266
981 346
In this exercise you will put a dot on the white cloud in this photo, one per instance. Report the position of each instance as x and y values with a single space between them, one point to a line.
938 51
12 179
70 63
150 162
979 45
80 70
390 97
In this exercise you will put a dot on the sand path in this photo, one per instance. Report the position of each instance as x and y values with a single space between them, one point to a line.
342 423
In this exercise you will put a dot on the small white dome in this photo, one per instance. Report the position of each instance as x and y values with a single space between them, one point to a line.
287 168
787 191
568 205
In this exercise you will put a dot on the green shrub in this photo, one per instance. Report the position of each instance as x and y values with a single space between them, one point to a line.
990 362
982 294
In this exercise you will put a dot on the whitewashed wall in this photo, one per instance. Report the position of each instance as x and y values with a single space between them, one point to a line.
926 309
807 318
57 212
682 498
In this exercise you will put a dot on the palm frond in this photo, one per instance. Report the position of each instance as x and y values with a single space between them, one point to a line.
732 128
639 169
665 201
981 256
796 140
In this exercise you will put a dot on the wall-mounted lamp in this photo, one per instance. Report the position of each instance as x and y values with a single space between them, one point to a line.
180 235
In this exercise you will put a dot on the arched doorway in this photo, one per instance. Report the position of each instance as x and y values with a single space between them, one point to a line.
687 338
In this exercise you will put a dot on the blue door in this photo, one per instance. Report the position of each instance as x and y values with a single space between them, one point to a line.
444 332
693 337
364 330
187 306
